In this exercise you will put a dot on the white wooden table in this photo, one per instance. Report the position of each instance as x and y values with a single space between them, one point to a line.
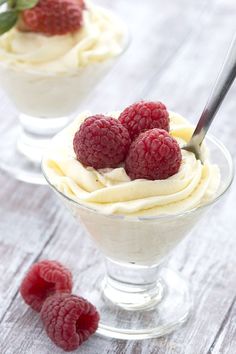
175 55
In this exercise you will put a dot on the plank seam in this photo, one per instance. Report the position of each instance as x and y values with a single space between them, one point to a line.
161 71
227 315
164 67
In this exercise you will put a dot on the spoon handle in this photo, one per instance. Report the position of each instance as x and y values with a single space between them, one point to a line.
222 85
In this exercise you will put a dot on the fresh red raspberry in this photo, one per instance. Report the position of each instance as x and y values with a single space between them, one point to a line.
101 142
44 279
54 17
142 116
153 155
69 320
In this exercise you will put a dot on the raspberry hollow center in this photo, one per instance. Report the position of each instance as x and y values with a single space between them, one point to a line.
42 289
84 322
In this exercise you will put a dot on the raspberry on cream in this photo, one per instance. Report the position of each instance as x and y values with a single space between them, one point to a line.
141 116
53 17
154 155
101 142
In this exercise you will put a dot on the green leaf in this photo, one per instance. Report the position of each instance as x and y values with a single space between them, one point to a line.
25 4
11 3
2 2
7 20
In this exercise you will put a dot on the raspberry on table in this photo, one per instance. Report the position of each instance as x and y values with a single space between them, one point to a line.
142 116
101 142
153 155
54 17
44 279
69 320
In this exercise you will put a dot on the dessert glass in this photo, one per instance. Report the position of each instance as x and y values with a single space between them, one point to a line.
46 103
138 297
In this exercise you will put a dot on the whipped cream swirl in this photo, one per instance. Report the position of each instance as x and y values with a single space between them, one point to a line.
111 191
100 38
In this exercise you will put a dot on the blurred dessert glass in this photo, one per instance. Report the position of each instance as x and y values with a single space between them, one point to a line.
47 78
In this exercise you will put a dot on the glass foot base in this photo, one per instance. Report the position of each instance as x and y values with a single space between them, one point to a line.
15 163
166 315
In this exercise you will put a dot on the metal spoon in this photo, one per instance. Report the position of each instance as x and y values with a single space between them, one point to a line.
222 85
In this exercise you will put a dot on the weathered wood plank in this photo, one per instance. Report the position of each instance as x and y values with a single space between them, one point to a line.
187 81
39 227
226 339
27 224
158 30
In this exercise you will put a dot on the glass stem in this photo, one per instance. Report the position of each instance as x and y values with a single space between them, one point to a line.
131 286
36 133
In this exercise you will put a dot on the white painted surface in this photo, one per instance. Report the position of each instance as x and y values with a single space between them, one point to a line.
175 55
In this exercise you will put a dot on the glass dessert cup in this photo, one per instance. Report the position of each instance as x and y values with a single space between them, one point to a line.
138 297
46 103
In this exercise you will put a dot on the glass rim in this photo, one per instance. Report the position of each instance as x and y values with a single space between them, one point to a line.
128 217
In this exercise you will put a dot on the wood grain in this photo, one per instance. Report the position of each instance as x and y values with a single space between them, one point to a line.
175 55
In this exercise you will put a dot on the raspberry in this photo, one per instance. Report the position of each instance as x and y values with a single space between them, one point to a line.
142 116
101 142
69 320
54 17
82 4
43 279
153 155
